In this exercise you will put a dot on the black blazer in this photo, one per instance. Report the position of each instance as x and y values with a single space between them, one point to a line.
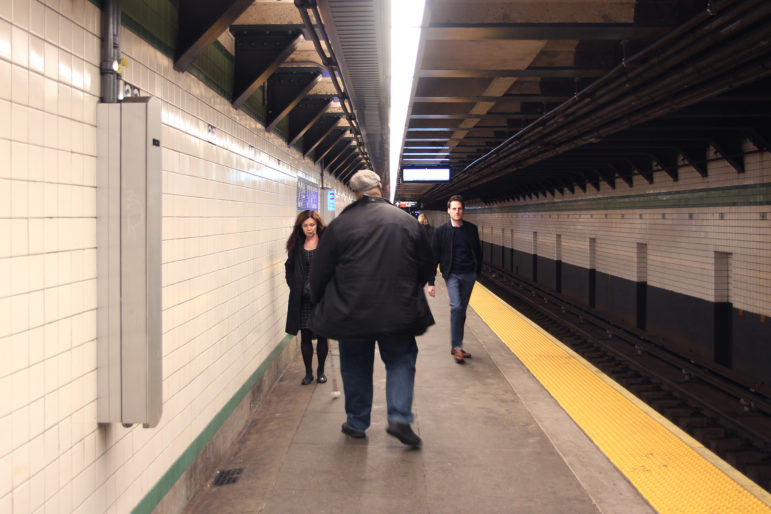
441 245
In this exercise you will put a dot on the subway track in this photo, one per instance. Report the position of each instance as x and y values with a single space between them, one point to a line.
731 420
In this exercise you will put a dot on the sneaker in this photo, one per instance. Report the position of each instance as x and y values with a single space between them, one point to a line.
403 432
352 432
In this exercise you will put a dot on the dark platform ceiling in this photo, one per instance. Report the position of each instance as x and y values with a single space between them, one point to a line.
526 98
520 98
328 105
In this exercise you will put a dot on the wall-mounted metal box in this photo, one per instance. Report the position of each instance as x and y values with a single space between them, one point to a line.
129 261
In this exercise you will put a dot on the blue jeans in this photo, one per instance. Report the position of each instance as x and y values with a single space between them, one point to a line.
356 362
459 286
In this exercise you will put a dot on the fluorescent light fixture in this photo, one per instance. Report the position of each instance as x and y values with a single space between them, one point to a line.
406 21
426 174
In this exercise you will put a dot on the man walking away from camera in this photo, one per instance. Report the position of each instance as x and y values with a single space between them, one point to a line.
367 281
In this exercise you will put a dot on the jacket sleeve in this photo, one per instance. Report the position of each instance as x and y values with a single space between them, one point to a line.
436 253
289 271
324 263
478 249
425 257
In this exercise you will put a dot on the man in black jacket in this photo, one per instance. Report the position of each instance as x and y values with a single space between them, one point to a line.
458 252
367 283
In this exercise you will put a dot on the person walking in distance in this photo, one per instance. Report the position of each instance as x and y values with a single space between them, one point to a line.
301 248
367 282
458 252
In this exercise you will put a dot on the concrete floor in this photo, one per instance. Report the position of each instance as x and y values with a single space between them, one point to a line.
493 441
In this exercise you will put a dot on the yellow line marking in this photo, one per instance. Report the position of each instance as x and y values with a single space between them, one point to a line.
673 471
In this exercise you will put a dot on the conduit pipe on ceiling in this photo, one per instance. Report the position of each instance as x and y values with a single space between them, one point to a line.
331 65
694 37
672 51
110 50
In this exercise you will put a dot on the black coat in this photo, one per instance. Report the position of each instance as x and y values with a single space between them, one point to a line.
368 274
441 246
294 272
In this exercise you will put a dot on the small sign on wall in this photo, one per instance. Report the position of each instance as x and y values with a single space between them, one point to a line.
330 200
307 195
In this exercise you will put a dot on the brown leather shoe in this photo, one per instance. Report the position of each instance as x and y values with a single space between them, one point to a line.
466 355
458 354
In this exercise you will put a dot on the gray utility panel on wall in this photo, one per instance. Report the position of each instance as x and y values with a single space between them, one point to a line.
129 262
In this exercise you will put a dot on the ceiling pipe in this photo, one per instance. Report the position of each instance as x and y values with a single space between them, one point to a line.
109 66
704 31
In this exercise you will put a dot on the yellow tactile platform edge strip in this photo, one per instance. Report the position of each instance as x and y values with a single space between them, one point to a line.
673 471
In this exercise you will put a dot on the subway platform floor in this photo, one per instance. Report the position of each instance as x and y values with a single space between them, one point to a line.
494 440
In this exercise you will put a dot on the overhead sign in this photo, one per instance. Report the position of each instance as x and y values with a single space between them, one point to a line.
425 174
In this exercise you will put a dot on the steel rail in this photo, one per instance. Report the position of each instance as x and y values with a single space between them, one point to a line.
744 395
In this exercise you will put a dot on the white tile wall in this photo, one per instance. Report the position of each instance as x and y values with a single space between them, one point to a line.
681 243
228 206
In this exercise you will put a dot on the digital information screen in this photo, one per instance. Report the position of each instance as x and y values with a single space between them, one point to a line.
425 174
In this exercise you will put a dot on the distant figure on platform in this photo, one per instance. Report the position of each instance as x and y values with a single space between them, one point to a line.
458 252
301 247
427 228
368 281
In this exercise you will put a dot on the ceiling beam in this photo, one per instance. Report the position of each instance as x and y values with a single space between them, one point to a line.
531 72
259 53
200 23
543 31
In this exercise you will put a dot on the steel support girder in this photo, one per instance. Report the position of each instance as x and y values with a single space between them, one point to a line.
342 159
339 150
284 90
329 141
729 146
305 115
333 147
349 170
319 131
200 23
259 53
667 159
543 31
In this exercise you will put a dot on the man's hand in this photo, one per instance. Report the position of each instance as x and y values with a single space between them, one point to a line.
432 291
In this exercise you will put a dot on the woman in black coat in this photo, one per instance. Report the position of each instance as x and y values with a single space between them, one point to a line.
428 230
300 248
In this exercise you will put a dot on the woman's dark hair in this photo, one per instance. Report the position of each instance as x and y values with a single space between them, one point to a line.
297 230
456 198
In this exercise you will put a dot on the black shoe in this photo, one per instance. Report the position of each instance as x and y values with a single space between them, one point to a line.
322 378
307 380
403 432
352 432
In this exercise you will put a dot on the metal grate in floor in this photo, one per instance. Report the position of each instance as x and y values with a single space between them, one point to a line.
227 476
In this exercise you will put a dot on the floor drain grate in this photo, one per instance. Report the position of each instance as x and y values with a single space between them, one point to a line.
227 476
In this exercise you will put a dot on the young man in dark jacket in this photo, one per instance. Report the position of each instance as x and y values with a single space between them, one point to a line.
367 283
458 252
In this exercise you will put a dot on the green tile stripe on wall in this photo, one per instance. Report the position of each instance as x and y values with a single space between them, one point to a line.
156 494
732 196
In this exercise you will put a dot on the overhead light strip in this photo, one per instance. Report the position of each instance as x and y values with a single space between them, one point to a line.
406 21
